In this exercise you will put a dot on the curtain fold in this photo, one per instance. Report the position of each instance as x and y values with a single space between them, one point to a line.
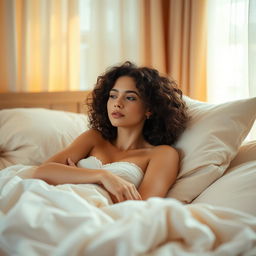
152 35
40 45
7 46
169 35
187 46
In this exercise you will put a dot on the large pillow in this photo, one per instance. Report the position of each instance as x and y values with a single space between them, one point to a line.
236 189
246 153
211 140
30 136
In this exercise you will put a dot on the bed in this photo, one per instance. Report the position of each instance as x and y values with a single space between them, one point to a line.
210 210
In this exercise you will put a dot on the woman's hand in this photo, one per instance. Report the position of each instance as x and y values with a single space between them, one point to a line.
119 189
70 162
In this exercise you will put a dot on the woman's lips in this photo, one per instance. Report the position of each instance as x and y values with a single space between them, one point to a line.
117 115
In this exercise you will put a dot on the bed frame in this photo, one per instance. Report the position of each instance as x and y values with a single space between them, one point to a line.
72 101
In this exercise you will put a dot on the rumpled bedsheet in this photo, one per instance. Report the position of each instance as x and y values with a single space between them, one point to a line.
41 219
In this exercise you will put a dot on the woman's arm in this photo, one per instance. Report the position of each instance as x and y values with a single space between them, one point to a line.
78 149
55 173
119 189
56 169
161 172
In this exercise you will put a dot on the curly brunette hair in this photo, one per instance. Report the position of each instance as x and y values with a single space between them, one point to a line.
160 94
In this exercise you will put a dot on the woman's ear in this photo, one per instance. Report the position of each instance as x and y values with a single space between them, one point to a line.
148 114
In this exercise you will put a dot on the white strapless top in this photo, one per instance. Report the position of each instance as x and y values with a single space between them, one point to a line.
126 170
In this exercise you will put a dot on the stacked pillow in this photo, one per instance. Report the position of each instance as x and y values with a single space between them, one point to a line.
237 188
211 140
31 135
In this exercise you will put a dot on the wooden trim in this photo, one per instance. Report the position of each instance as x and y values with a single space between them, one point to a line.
73 101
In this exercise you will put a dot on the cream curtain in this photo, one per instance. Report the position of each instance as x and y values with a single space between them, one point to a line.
115 31
65 45
169 35
109 35
231 51
187 45
40 45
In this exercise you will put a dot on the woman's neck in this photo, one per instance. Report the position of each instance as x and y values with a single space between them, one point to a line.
128 140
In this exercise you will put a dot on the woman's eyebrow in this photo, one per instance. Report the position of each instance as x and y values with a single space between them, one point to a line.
126 91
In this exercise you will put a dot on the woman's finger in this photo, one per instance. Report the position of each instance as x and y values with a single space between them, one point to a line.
128 195
136 194
131 193
70 162
119 197
113 198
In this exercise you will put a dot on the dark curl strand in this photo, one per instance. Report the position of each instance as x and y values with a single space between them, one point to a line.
160 94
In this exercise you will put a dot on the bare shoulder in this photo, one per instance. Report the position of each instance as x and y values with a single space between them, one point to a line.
91 135
92 132
79 148
161 171
164 155
164 151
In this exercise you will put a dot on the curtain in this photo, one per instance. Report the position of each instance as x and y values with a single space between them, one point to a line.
187 41
65 45
231 51
169 35
252 49
40 45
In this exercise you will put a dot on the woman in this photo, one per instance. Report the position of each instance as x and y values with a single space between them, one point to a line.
135 116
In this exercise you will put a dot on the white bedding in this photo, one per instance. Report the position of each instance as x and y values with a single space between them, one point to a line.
40 219
217 177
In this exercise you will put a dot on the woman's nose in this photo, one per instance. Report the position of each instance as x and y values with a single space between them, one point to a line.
118 104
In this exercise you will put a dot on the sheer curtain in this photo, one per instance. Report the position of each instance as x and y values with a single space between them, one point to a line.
65 44
113 31
167 35
231 50
109 35
39 45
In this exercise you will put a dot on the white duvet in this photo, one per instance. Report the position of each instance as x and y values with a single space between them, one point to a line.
40 219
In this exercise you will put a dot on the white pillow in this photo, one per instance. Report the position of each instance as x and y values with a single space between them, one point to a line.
211 140
31 135
236 189
246 153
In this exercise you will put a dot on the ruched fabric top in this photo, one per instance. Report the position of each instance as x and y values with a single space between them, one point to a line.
126 170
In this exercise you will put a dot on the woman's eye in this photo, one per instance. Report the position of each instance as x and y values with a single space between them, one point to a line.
112 96
131 98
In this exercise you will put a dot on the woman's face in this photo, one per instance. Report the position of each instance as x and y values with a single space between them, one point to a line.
125 105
